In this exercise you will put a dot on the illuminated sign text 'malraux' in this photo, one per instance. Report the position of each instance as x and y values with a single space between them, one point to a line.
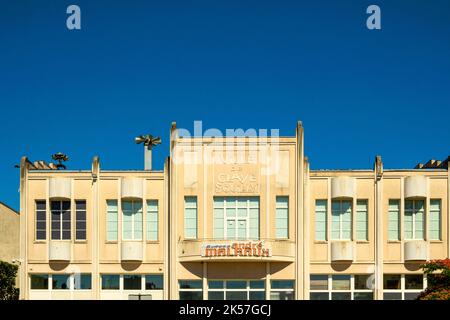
236 249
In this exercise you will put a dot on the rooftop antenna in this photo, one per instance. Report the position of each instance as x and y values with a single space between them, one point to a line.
60 157
149 142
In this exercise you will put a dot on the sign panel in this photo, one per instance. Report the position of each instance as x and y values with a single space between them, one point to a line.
236 249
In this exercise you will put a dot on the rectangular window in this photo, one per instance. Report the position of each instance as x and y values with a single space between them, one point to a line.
80 216
190 217
39 281
154 282
83 281
282 218
41 220
60 282
362 220
321 220
435 219
236 218
132 220
190 289
110 282
236 290
341 287
414 219
60 220
282 290
402 287
111 220
152 220
394 220
341 224
132 282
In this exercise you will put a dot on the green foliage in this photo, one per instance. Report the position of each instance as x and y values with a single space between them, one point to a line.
438 277
8 273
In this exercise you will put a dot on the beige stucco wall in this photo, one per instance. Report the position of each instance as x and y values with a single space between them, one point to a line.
9 236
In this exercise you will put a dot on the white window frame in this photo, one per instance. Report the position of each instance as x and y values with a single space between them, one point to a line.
439 238
71 277
247 289
352 289
61 221
227 204
133 218
414 218
402 289
36 219
341 215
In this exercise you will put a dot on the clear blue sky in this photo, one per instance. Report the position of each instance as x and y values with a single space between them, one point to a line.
138 65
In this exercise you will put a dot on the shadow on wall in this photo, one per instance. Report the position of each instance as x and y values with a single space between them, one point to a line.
341 266
413 266
58 266
130 266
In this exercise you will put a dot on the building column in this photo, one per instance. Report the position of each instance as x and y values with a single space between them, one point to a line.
379 243
205 280
267 281
95 236
299 237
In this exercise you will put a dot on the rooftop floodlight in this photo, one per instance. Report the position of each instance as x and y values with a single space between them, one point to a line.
60 157
149 142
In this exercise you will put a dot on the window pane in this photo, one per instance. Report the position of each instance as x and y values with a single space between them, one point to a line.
132 282
361 220
82 281
392 281
411 295
60 282
321 220
190 217
282 295
341 296
363 282
236 284
413 281
392 296
110 282
281 217
236 295
191 295
257 295
363 296
319 296
39 281
215 284
216 295
154 282
190 284
341 282
259 284
319 282
282 284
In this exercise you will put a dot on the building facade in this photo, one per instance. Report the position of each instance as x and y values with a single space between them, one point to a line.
232 218
9 236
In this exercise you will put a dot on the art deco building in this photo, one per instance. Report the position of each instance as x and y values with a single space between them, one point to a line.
231 218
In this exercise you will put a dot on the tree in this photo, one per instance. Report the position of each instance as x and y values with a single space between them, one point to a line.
8 273
438 278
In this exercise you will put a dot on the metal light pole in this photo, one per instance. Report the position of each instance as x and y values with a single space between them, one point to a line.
149 142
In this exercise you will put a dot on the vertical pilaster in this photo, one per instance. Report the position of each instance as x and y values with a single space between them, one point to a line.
267 280
299 258
23 267
306 231
205 280
95 231
173 225
378 292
